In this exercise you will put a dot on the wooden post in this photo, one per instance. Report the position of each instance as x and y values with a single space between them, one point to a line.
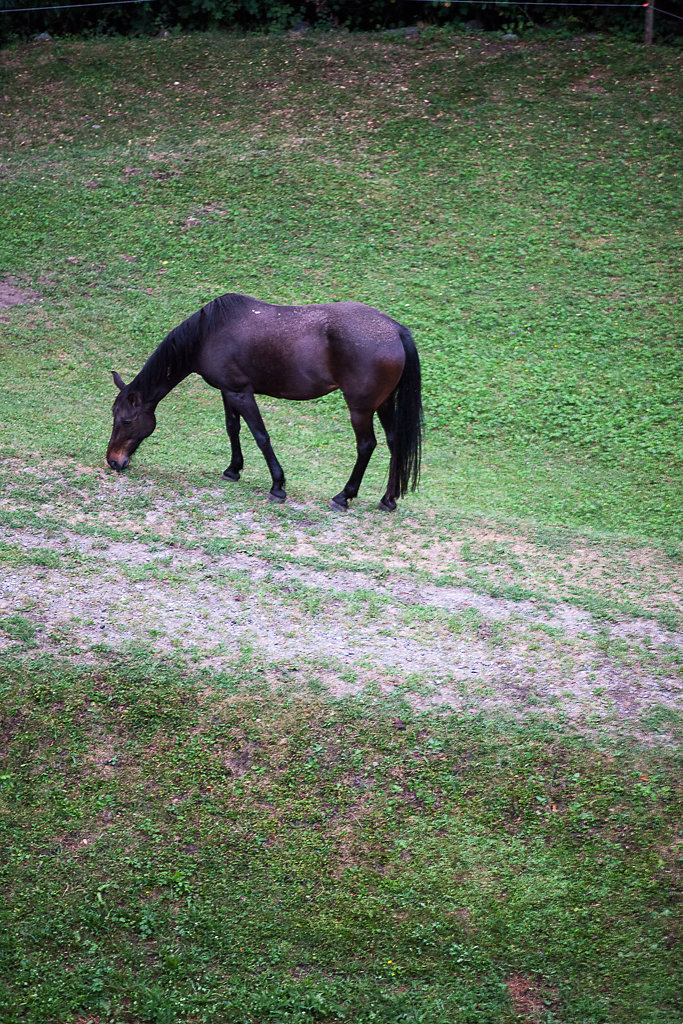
649 22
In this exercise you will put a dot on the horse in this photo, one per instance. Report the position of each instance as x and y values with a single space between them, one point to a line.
245 347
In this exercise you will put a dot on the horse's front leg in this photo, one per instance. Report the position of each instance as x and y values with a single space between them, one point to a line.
366 442
232 425
244 405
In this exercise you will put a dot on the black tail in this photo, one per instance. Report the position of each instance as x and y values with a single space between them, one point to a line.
406 455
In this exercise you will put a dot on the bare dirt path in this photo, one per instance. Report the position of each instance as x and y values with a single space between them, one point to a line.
443 612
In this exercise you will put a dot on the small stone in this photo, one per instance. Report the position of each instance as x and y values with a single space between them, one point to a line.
300 29
44 37
410 31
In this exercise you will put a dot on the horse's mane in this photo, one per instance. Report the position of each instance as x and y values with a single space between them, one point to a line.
172 359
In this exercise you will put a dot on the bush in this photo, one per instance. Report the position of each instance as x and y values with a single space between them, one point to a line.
148 17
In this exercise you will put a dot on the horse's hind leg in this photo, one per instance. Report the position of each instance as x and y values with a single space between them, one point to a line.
232 425
244 404
387 417
366 443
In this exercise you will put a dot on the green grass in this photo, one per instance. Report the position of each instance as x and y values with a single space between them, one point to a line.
184 852
514 206
18 627
216 838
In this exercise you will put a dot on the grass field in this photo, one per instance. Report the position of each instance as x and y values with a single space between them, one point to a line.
267 763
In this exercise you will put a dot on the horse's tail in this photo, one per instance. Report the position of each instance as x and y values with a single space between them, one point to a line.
406 452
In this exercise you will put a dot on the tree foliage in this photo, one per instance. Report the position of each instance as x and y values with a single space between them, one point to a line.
144 17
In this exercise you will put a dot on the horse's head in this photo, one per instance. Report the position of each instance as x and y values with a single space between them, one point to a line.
134 420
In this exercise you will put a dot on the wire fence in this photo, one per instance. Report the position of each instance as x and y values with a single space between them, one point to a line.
444 3
68 7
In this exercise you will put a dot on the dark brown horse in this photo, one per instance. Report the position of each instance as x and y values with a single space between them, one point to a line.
245 347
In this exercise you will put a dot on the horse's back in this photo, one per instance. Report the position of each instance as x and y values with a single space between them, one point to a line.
301 351
341 318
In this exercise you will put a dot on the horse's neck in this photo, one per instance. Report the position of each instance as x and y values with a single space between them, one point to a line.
163 371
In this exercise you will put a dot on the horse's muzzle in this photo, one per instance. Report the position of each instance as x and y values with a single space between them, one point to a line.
119 464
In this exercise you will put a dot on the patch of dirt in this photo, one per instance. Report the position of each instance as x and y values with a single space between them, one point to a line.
201 609
190 575
9 727
201 213
11 294
80 840
590 84
104 758
528 998
566 617
634 573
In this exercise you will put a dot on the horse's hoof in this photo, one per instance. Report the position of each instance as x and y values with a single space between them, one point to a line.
386 507
337 507
279 499
229 474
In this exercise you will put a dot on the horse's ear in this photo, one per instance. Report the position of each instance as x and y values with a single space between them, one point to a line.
117 380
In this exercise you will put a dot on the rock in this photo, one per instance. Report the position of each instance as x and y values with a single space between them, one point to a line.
510 37
44 37
410 32
300 29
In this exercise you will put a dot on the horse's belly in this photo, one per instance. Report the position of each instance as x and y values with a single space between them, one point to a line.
297 369
296 390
